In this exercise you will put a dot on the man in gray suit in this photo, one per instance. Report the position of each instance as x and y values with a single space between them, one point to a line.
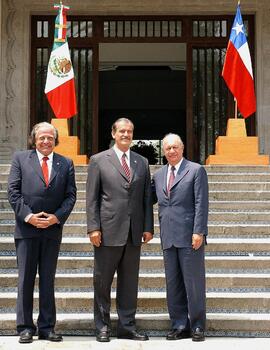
42 193
119 217
181 189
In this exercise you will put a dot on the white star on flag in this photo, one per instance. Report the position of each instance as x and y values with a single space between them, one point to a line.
238 28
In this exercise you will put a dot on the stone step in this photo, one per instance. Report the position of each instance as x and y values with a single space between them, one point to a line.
239 216
239 205
214 216
234 177
213 195
239 186
237 169
216 246
238 230
149 302
239 195
212 176
223 205
213 186
154 281
5 168
215 229
242 264
238 324
222 264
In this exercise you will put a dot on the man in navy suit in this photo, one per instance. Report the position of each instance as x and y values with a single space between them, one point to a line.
181 188
42 193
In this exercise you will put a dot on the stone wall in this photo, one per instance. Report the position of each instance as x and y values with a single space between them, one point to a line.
15 51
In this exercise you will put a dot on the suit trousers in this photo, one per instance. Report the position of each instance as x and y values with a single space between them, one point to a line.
36 254
125 261
185 281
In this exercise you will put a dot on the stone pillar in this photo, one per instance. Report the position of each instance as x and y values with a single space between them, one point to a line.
263 74
7 13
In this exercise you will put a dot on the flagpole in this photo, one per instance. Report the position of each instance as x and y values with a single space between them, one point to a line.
235 108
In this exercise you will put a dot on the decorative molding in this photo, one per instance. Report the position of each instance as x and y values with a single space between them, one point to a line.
10 94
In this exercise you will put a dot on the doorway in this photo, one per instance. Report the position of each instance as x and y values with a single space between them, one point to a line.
146 83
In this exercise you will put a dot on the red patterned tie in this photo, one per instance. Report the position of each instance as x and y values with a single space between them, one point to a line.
45 170
171 180
125 166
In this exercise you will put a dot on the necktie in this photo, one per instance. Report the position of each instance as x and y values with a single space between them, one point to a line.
125 166
171 179
45 170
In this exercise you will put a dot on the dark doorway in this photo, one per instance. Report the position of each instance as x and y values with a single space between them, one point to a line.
154 98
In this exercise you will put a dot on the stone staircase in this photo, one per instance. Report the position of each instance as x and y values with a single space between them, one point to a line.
237 261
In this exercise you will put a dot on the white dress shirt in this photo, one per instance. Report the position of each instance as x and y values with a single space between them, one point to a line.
177 166
49 163
120 154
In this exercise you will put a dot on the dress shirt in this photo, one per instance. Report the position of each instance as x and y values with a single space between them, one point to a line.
120 153
49 163
177 166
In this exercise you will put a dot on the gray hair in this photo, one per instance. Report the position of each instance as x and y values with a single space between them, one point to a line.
121 120
32 137
177 137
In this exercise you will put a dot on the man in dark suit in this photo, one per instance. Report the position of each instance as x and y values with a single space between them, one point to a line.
119 216
181 188
42 193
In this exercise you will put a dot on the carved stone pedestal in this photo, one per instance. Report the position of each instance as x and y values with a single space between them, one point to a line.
236 147
69 146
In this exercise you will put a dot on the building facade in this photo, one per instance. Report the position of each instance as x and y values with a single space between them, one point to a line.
158 62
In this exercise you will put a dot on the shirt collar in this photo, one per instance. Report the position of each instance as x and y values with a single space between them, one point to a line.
120 153
177 166
40 156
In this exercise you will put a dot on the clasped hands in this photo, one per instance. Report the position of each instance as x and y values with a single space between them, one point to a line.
43 220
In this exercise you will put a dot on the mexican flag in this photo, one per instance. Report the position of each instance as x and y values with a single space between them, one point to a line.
60 84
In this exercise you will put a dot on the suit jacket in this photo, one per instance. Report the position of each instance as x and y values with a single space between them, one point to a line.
113 205
185 211
27 192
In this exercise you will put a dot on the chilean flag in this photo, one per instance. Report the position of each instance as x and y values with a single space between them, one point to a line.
237 69
60 84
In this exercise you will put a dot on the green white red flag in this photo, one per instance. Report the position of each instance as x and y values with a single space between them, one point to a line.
60 83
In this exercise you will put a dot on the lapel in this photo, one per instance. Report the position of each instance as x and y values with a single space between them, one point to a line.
133 164
182 171
34 162
56 165
164 176
113 159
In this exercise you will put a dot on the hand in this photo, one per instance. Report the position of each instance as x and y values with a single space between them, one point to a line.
147 236
95 238
197 240
43 220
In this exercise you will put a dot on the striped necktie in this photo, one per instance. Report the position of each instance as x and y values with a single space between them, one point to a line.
125 166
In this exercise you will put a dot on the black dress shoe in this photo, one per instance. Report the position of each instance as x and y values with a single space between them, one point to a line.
176 334
133 335
198 334
103 336
51 336
26 337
